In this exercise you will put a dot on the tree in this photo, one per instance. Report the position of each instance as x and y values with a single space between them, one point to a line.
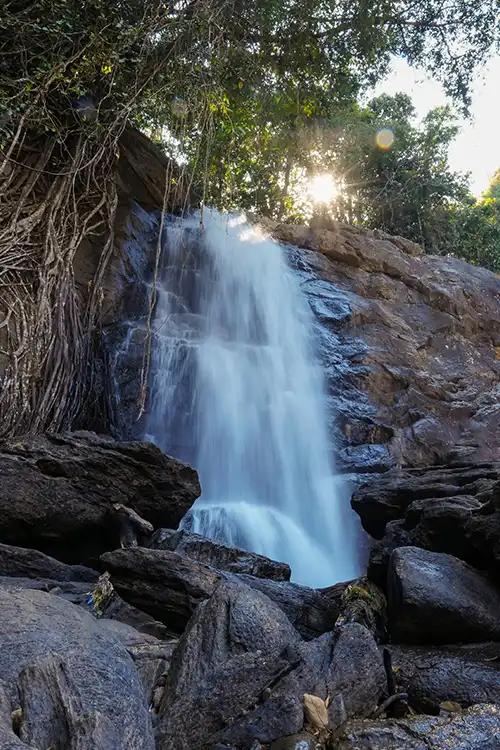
473 230
409 189
406 187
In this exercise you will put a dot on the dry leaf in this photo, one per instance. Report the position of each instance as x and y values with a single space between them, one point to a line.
315 711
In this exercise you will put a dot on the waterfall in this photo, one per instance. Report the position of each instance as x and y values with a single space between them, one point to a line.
236 391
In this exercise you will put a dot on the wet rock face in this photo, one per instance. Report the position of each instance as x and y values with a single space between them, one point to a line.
436 598
408 342
57 491
128 288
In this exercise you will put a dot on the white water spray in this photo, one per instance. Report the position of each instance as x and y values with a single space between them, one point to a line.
236 392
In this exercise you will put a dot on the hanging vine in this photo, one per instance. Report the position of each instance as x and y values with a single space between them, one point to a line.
59 148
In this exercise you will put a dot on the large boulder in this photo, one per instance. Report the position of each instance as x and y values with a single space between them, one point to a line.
219 555
387 497
170 586
436 598
75 683
433 677
31 569
20 562
57 491
166 585
234 648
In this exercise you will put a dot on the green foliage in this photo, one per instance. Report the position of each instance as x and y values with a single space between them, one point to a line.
473 229
268 65
252 97
404 189
410 189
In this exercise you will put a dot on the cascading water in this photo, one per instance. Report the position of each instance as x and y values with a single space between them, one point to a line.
236 392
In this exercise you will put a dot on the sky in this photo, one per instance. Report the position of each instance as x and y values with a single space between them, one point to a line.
477 146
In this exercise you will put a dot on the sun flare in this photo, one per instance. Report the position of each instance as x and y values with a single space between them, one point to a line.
322 188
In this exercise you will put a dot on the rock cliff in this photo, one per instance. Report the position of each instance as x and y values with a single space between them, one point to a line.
418 341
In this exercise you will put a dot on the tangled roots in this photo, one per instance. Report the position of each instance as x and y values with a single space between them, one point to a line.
52 195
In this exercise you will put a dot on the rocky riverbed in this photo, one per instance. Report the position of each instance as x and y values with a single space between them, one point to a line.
118 632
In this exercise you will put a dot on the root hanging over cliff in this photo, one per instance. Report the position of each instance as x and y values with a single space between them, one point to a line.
52 195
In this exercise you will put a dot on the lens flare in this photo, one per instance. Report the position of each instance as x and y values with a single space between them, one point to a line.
322 188
384 139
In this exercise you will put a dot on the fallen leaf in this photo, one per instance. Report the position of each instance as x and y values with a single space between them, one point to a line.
315 711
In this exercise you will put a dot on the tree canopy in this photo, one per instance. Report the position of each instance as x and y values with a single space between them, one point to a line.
160 61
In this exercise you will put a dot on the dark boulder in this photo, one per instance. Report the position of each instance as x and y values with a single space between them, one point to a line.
165 584
387 497
20 562
169 586
233 650
57 491
443 509
477 728
356 671
218 555
72 591
75 683
431 676
311 611
436 598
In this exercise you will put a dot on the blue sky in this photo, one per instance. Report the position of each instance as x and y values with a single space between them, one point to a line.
477 146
